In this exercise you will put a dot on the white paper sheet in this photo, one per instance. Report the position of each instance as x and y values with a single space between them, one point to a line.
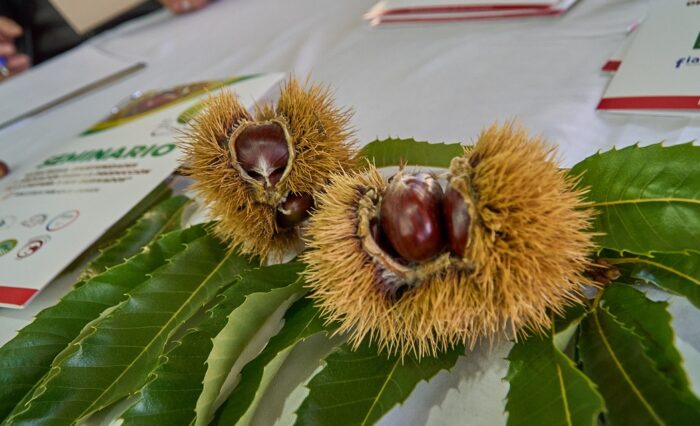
64 77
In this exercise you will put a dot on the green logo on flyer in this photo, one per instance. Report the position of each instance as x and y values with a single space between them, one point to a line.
7 246
697 43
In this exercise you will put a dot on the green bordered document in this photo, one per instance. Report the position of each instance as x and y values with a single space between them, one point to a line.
54 209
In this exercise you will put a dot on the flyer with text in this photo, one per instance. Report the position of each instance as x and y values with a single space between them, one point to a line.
660 73
56 208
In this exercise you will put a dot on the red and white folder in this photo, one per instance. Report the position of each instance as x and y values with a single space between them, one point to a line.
660 73
613 64
427 11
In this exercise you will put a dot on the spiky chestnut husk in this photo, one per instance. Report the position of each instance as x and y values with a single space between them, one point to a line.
319 144
525 258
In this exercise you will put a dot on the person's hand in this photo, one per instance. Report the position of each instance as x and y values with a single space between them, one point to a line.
9 31
184 6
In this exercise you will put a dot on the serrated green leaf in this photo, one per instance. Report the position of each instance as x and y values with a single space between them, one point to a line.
636 393
269 375
648 197
546 388
566 326
170 397
162 218
652 323
677 273
302 321
394 151
115 357
27 357
161 193
242 327
359 387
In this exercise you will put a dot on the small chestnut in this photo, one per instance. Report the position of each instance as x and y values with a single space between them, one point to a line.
4 169
410 216
457 220
294 210
262 152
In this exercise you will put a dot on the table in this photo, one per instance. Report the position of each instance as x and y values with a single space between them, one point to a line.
432 82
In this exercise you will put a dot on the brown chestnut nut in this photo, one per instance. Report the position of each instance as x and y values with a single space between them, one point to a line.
410 216
4 170
294 210
456 215
381 240
262 152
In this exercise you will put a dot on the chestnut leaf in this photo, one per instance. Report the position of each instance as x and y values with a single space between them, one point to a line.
394 151
301 321
171 394
276 286
547 388
651 321
675 272
114 356
620 363
28 356
647 197
358 387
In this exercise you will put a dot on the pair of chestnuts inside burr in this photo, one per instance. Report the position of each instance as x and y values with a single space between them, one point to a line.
263 153
415 221
418 221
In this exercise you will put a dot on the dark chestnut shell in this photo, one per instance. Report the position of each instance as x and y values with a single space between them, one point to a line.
294 210
457 220
411 218
262 152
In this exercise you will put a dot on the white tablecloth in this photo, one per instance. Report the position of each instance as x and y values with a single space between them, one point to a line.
439 83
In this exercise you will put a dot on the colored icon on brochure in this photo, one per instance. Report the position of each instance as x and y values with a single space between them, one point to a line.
35 220
6 222
62 220
33 246
7 246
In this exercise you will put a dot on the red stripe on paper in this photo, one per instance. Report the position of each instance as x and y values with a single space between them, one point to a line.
382 21
16 295
459 8
612 66
651 102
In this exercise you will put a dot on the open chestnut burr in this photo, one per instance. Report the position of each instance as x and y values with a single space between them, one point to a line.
263 154
418 268
259 172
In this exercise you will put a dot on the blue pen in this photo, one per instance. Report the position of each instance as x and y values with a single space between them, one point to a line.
4 71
